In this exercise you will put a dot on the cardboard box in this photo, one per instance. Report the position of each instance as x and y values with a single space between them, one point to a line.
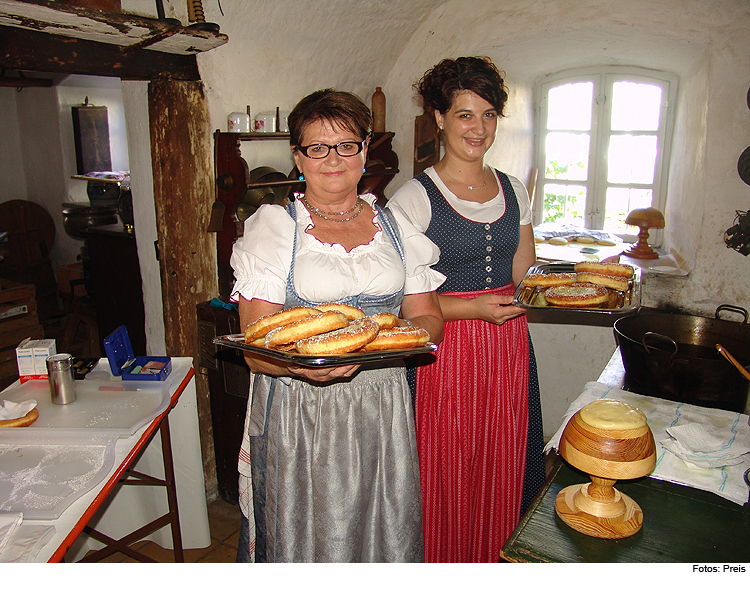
25 357
31 357
43 348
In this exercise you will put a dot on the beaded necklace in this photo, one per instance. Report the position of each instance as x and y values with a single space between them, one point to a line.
322 214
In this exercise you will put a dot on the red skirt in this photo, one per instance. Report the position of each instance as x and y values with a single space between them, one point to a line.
472 431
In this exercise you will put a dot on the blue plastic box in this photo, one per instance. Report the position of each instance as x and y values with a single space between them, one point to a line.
123 362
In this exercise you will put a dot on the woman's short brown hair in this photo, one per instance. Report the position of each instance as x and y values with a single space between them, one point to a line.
334 106
440 85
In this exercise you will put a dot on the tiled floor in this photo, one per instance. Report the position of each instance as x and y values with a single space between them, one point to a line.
224 522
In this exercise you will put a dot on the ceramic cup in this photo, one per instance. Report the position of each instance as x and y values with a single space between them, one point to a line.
238 123
265 122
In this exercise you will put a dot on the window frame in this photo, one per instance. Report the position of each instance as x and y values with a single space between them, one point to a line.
603 79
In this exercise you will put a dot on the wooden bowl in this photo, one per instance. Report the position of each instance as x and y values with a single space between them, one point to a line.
608 453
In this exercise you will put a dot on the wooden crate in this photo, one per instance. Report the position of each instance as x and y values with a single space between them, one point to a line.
18 320
10 291
18 308
8 365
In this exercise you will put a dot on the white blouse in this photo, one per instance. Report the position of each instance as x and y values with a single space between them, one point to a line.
325 272
412 203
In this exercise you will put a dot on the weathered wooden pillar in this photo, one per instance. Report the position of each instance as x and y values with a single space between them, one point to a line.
181 154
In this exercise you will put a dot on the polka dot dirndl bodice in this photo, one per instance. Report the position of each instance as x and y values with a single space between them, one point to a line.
473 255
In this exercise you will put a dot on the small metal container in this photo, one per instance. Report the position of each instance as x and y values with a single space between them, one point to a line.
62 385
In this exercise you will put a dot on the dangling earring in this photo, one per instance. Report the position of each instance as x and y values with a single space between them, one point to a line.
301 177
364 170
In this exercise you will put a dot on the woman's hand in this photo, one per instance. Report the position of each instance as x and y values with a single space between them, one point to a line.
323 374
495 308
489 307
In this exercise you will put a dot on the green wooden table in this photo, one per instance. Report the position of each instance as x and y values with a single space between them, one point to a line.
680 524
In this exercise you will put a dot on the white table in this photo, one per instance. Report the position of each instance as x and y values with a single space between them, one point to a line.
116 510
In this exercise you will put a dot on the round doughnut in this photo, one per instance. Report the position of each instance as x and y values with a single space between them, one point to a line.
385 320
615 269
548 279
265 324
558 240
399 337
344 340
23 421
350 312
616 283
304 328
577 295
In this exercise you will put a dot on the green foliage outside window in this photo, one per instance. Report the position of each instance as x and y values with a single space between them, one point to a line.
558 206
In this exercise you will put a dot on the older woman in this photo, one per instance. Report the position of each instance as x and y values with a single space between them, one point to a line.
335 475
479 424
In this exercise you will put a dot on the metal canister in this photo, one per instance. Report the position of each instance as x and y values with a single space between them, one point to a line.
62 385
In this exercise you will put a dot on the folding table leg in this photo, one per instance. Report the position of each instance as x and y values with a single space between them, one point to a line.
166 448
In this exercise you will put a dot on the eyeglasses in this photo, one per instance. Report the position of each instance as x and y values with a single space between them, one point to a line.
345 149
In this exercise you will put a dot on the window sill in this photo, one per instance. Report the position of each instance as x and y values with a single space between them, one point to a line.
668 263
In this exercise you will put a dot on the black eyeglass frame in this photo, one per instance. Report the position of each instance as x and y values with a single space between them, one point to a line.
303 149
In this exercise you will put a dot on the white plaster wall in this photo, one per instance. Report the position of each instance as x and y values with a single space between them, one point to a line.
41 155
281 50
135 101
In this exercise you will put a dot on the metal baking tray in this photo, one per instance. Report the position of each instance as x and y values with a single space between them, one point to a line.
619 302
237 341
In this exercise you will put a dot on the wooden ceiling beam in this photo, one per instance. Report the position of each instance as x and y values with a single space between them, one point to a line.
33 51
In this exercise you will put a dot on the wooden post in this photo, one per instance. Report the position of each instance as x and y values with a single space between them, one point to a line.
181 154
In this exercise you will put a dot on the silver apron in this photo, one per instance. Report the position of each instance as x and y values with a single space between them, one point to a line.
335 469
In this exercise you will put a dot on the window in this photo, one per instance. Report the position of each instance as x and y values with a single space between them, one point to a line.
603 146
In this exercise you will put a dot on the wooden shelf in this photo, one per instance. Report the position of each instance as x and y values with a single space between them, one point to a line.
129 32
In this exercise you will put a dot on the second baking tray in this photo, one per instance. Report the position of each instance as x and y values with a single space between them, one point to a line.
237 341
619 302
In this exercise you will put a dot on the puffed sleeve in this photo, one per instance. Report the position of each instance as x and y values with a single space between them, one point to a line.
420 254
262 256
412 201
522 196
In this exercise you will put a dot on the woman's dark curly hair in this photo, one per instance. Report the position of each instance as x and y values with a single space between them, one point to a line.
439 86
333 106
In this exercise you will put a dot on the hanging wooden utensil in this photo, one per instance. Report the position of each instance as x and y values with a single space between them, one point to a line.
728 356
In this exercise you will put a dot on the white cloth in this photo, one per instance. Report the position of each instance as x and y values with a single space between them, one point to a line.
665 415
19 542
412 202
10 410
326 272
8 524
705 447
